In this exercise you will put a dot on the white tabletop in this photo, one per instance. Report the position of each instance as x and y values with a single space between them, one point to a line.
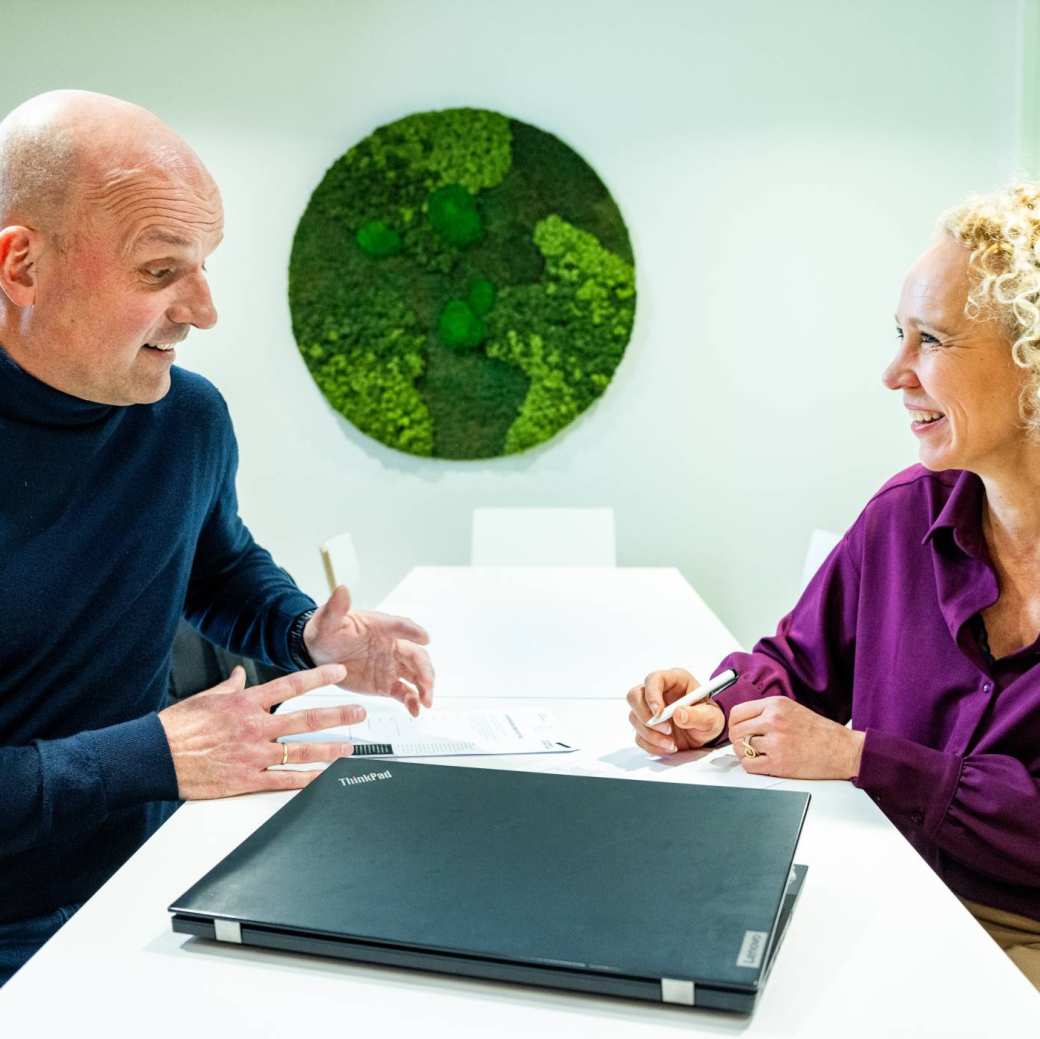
877 945
558 631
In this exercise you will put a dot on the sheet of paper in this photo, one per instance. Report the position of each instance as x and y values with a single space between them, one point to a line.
391 732
716 767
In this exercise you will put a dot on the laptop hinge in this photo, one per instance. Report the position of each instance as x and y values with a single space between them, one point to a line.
227 931
677 991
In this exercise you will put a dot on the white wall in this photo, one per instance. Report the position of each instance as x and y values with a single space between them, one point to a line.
779 166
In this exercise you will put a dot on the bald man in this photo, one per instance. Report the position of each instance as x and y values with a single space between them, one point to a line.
118 516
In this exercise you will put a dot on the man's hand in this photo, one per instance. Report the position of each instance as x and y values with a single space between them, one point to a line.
694 726
792 741
382 654
223 739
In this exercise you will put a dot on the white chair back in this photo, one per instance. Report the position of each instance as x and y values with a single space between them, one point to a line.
543 537
821 544
341 564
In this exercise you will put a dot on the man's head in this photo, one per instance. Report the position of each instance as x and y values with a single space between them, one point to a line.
106 219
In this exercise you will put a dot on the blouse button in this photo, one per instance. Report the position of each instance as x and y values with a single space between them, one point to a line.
986 687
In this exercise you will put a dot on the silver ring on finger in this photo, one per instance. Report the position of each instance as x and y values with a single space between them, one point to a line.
749 750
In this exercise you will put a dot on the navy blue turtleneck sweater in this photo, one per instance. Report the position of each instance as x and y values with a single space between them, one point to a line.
114 521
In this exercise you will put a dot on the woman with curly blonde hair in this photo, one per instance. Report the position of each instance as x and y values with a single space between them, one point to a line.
922 628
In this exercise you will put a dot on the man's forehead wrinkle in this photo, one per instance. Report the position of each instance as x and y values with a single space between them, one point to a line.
152 226
138 199
140 218
124 186
173 208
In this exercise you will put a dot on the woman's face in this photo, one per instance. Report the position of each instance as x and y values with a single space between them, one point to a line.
958 381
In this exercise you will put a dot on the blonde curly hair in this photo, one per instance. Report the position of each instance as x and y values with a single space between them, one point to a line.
1002 230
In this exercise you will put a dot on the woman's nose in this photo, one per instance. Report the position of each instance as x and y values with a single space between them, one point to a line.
899 374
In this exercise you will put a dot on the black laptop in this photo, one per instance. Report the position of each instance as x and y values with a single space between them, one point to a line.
667 892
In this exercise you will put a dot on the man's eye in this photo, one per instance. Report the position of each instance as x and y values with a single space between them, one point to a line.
160 272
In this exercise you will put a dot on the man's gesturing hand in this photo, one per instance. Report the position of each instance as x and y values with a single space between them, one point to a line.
382 654
223 739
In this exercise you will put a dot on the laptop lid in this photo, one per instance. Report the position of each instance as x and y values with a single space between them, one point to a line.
603 877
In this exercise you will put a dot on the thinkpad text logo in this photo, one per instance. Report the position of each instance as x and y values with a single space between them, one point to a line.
368 777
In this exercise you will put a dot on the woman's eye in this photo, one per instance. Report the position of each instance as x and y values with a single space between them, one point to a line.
928 338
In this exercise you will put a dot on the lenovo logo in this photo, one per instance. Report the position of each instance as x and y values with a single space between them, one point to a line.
368 777
752 948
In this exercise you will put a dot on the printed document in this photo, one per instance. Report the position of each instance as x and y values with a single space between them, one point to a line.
389 731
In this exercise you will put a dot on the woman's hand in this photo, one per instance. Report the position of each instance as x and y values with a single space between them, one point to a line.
791 741
694 726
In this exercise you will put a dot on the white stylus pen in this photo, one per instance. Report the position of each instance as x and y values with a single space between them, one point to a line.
716 685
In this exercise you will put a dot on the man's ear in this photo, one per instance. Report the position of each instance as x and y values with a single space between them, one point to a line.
19 249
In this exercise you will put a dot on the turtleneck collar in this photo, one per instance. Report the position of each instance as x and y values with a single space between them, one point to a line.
24 397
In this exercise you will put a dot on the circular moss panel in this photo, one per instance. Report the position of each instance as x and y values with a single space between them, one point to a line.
461 285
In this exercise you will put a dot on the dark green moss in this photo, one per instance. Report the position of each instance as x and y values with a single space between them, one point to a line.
557 180
567 332
473 400
546 178
461 284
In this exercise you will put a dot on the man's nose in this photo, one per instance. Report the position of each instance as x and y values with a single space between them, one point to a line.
195 307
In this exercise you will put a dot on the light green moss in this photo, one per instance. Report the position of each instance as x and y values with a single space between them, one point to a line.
567 332
466 146
380 397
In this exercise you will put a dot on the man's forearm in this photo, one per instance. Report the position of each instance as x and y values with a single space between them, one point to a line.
249 605
57 788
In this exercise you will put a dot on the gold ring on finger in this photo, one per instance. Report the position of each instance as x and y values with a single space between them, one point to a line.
285 753
749 751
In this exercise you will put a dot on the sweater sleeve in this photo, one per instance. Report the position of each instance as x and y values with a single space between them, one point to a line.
237 596
810 658
58 788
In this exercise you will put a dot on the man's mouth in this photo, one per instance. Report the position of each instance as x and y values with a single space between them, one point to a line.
162 347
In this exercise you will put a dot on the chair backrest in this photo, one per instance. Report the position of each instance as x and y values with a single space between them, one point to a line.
198 664
821 544
543 537
340 560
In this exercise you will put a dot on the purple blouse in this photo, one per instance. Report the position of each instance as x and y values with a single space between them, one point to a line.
884 635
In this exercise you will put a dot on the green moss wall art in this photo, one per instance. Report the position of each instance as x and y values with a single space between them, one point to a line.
461 285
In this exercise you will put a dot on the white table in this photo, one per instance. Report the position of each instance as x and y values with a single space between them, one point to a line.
877 946
558 631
